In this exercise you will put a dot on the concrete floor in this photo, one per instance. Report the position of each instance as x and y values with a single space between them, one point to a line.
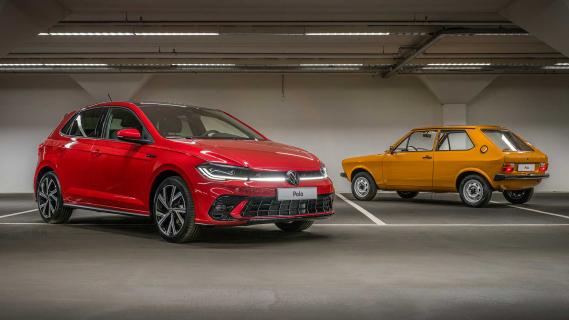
434 259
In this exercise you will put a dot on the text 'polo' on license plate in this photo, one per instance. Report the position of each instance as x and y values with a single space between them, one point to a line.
296 193
526 167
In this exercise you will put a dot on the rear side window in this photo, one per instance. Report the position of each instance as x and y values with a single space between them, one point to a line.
506 140
454 141
86 124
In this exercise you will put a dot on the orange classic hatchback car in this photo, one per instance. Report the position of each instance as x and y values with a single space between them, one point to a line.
473 160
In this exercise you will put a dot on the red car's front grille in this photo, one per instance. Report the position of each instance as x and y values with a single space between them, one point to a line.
265 207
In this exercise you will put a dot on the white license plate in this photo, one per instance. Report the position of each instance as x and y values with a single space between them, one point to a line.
296 193
526 167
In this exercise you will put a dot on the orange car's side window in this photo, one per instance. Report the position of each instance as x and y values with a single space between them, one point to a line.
417 141
454 141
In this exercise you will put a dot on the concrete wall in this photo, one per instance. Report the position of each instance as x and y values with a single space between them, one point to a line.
537 108
332 115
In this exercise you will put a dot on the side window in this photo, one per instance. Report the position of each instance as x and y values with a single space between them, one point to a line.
454 141
120 118
418 141
86 124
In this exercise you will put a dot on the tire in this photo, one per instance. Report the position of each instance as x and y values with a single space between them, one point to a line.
173 211
475 191
363 186
50 200
407 194
518 196
294 226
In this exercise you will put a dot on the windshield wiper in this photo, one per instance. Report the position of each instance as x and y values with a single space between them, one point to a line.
178 137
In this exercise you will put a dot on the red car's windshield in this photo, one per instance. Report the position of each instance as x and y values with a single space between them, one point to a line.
191 122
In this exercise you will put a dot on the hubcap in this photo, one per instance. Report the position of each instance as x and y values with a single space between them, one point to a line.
361 187
170 210
516 194
473 191
47 197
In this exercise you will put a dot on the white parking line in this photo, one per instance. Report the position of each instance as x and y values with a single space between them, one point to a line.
533 210
17 213
373 218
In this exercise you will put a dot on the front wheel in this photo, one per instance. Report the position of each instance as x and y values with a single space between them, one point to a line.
363 186
475 191
50 200
294 226
518 196
407 194
173 211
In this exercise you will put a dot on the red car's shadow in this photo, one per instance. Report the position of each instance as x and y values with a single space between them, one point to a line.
228 237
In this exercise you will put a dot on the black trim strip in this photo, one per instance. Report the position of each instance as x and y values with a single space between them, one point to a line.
502 177
76 206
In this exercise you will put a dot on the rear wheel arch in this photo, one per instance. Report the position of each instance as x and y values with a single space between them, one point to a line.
468 172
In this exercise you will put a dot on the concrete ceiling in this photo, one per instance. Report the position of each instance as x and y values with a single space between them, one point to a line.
258 35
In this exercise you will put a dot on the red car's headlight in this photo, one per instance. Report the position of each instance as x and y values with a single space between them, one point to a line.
222 172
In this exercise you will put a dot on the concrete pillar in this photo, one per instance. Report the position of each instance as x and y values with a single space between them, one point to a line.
454 114
454 92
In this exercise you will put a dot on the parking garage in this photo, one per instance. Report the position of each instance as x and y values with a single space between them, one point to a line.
337 79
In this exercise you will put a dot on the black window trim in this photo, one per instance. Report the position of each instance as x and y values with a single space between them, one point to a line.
99 124
453 130
150 139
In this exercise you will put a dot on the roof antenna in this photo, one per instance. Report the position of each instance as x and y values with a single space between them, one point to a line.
109 95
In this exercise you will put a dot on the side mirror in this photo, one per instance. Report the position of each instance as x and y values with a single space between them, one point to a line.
391 149
131 135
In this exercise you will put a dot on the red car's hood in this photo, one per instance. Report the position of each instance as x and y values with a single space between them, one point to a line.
262 155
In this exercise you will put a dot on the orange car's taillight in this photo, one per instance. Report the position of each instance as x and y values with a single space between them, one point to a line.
508 167
543 167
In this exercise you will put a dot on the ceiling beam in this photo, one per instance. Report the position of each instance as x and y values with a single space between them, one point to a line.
425 44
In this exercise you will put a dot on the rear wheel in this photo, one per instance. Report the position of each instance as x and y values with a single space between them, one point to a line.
50 200
475 191
518 196
173 211
363 186
407 194
294 226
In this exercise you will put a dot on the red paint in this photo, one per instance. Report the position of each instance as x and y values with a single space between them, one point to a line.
119 174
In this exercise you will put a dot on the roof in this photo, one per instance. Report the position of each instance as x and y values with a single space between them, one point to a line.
460 127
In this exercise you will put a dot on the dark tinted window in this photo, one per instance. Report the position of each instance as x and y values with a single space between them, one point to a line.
179 121
506 140
120 118
86 124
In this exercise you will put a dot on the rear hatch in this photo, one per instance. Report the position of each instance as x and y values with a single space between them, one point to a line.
526 162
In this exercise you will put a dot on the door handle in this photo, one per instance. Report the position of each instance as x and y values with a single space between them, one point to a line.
427 157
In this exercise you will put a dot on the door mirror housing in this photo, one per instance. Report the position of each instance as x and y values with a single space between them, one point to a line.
131 135
391 149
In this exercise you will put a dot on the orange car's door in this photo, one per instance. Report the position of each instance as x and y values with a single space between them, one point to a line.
410 165
454 152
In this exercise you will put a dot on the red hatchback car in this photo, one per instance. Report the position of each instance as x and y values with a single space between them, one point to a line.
183 166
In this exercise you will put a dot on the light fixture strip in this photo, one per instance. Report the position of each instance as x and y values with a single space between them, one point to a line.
452 64
347 33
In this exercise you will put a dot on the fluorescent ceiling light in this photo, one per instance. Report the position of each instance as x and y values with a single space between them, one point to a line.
105 34
53 64
203 64
451 68
502 34
347 33
562 64
331 64
453 64
176 33
556 67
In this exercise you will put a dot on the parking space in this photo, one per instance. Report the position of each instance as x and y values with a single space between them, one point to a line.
446 209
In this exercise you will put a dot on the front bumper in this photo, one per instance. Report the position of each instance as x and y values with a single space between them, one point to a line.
502 177
233 203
